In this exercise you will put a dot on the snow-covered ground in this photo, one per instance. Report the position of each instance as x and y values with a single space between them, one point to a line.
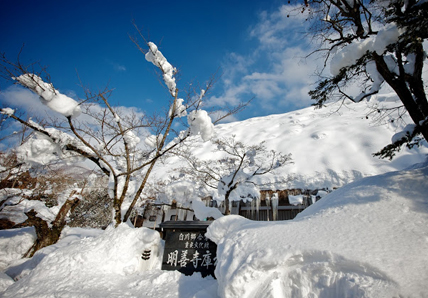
367 239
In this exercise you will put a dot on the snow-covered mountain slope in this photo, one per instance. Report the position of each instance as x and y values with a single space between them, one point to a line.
330 147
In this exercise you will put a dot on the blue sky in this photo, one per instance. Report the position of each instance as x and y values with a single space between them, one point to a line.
253 46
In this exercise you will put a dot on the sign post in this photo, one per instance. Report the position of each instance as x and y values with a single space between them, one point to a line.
187 249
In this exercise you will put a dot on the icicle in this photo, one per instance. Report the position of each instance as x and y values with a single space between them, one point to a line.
257 204
166 209
221 206
253 208
267 200
230 206
274 201
180 212
257 207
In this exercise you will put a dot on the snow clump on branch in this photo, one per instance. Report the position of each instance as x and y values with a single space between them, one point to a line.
354 51
155 56
200 122
7 111
180 109
131 139
49 95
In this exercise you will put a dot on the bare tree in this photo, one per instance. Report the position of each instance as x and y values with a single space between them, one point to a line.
389 36
234 173
106 135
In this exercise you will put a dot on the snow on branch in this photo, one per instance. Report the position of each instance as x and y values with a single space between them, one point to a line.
157 58
49 95
200 123
7 111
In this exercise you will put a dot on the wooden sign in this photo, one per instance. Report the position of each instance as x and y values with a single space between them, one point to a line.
188 250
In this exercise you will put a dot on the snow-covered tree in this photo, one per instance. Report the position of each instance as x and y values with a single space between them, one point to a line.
109 137
374 43
232 177
44 201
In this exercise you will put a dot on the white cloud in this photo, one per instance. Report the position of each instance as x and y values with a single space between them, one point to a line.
16 96
119 67
275 73
217 114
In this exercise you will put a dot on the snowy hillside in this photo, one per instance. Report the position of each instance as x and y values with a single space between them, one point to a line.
328 148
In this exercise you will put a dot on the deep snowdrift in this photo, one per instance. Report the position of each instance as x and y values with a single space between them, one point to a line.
367 239
94 263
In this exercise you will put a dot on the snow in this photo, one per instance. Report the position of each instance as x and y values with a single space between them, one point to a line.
408 130
180 109
152 141
7 111
328 149
354 51
95 263
50 96
157 58
14 244
200 123
203 212
39 150
15 205
364 240
131 139
295 200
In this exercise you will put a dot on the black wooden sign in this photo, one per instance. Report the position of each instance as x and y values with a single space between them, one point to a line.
188 250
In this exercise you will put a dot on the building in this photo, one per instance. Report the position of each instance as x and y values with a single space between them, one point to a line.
271 206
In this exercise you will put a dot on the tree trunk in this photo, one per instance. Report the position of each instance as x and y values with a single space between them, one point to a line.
226 204
416 111
49 235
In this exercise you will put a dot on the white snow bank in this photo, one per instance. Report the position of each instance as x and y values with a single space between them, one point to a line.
98 264
115 251
5 281
366 239
14 244
50 96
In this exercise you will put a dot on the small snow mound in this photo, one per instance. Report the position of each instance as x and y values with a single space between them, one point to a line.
116 251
